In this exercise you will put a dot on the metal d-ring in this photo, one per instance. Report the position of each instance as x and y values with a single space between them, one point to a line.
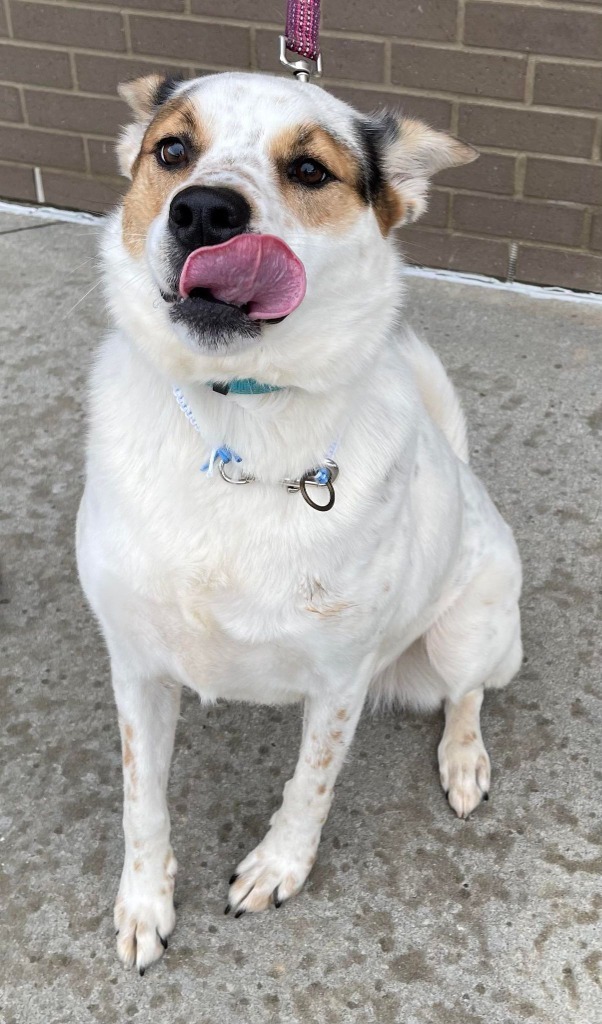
244 479
319 508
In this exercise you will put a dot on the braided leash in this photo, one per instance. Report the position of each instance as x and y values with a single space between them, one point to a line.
302 29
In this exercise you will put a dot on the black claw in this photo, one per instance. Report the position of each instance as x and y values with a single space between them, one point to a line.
239 913
233 879
447 794
228 908
277 902
163 942
485 796
141 971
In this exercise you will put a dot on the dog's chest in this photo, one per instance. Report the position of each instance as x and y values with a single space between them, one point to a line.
253 604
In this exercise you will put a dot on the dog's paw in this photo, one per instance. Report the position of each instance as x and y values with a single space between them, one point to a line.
465 773
144 910
272 873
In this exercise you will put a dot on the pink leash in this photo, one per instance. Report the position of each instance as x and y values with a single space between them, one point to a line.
302 29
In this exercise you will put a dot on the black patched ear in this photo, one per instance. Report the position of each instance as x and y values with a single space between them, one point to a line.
402 154
144 96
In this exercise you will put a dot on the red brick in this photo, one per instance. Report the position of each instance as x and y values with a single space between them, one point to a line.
17 182
428 248
102 157
192 40
74 113
490 173
10 104
96 73
81 193
527 130
259 10
458 71
436 112
537 29
517 218
28 146
569 85
563 269
555 179
35 67
343 58
411 19
596 239
68 25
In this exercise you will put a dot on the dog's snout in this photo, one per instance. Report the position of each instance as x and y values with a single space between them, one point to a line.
201 215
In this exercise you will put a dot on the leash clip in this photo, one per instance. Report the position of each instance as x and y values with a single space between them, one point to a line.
302 69
323 476
244 478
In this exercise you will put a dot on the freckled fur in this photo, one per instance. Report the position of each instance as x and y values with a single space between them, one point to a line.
405 593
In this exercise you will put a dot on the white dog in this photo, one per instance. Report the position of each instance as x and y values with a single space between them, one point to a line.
255 289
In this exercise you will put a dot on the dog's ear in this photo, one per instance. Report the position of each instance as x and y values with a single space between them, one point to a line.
144 96
408 153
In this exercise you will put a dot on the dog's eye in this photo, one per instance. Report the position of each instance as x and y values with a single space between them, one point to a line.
172 153
308 172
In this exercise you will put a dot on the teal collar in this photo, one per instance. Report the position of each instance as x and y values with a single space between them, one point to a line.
244 386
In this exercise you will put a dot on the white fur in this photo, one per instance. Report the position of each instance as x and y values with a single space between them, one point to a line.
407 588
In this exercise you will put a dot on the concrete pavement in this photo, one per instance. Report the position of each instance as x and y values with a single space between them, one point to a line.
410 916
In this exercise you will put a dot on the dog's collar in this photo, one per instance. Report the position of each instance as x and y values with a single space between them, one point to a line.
243 386
322 476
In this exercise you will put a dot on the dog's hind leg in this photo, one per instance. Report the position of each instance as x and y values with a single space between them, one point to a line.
144 912
463 761
475 645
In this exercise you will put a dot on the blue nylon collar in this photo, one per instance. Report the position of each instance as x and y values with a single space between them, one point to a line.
244 386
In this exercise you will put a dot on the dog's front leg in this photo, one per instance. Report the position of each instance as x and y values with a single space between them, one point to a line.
144 912
278 867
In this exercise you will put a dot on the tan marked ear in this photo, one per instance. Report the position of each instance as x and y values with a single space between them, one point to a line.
141 94
412 154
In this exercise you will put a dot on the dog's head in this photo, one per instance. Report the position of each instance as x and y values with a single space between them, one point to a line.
259 205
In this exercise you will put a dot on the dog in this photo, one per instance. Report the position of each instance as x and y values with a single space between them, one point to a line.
278 504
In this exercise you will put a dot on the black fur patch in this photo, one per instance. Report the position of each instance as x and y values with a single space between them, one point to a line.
214 325
165 89
373 134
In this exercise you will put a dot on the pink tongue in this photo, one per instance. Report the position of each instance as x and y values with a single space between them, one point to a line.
255 270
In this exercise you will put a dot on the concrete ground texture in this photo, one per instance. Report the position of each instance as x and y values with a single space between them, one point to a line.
410 915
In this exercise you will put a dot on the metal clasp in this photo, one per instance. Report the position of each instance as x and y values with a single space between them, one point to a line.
302 69
322 476
243 479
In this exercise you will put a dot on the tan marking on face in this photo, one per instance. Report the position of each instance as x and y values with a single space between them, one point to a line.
321 790
342 714
468 738
138 864
336 736
334 205
151 183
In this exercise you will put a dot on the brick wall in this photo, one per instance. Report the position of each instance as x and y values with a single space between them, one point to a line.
520 80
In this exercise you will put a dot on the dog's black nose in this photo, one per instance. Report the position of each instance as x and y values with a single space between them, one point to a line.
207 216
